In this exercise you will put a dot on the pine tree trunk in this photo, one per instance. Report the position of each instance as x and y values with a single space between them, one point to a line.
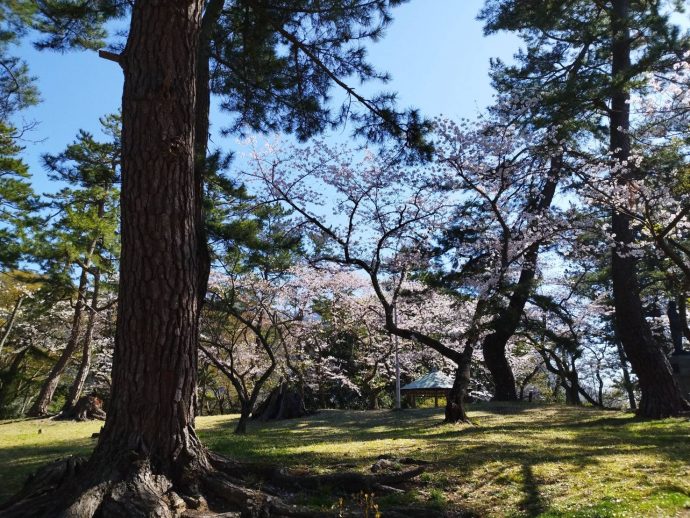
45 395
572 394
85 365
201 130
661 396
151 409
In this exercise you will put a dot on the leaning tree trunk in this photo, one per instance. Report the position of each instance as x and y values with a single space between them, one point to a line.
507 321
85 365
661 395
45 396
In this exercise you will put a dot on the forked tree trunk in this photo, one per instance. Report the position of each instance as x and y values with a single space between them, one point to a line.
45 395
85 365
661 396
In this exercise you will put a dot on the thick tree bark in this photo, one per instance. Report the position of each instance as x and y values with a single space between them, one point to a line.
151 409
148 453
507 321
45 395
85 365
661 396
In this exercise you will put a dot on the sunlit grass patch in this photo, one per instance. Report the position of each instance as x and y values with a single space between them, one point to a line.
518 460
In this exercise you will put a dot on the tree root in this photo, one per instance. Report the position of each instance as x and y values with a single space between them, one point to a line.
74 488
349 481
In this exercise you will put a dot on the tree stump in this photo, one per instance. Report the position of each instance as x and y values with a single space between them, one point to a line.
284 402
87 408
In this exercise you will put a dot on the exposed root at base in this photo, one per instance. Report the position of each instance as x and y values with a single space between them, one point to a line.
73 488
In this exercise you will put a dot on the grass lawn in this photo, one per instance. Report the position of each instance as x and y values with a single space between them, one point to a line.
517 460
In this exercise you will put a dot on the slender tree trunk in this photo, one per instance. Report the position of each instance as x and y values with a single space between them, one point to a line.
627 381
85 365
600 386
683 312
202 397
10 322
661 396
201 130
527 379
151 409
45 395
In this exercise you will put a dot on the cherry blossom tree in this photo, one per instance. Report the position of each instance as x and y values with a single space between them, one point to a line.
506 175
384 213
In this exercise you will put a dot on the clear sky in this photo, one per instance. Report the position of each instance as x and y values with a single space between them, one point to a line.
434 51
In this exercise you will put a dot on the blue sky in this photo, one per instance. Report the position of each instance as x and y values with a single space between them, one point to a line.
434 51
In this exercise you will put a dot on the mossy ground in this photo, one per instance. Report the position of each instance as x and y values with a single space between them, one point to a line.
517 460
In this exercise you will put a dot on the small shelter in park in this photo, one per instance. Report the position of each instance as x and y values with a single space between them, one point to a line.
434 384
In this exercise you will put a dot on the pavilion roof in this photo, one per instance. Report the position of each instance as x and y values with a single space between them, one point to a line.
433 380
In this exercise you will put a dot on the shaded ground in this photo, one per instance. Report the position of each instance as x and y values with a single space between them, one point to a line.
517 461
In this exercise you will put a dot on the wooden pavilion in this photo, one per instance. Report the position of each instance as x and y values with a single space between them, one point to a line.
434 384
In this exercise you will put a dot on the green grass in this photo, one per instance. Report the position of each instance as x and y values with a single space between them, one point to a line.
517 460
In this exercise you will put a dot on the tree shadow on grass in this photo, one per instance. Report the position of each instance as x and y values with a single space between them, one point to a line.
18 462
533 503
